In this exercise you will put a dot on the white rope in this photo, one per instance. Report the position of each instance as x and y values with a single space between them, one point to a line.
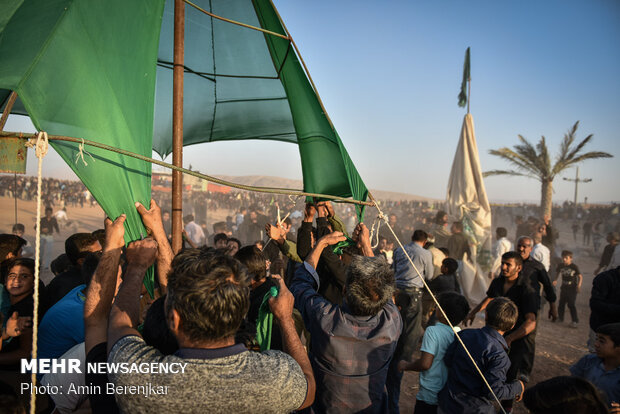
40 149
384 218
81 152
377 222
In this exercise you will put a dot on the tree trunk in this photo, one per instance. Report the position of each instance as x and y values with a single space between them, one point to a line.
546 197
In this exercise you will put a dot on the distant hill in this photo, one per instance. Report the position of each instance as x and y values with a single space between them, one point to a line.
267 181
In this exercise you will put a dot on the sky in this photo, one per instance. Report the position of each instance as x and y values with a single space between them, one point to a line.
389 74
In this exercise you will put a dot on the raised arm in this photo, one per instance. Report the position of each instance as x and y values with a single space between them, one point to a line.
155 228
282 309
126 309
102 287
362 236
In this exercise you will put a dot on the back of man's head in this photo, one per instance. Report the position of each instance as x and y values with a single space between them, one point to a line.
419 236
220 237
210 292
188 218
454 305
10 246
501 314
254 260
457 227
369 285
449 265
501 232
77 246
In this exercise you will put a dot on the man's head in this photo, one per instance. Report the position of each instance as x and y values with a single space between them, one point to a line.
286 224
382 243
441 217
20 277
501 314
419 237
89 265
501 232
19 229
10 246
254 260
78 245
188 218
613 237
165 216
155 330
454 305
220 240
233 245
457 227
393 219
369 285
512 263
567 257
449 266
524 246
208 296
607 343
537 238
48 212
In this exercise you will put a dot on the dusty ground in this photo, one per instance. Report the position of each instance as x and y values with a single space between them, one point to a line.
557 345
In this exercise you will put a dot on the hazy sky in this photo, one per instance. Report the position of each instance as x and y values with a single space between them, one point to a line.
389 74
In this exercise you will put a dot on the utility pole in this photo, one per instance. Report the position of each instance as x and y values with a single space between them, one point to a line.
577 180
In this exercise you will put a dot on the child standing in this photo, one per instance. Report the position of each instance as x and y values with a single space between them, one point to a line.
571 278
437 338
603 368
465 391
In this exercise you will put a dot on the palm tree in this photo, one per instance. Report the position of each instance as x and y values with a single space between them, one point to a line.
534 162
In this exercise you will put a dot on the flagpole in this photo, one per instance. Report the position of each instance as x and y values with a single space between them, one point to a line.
468 92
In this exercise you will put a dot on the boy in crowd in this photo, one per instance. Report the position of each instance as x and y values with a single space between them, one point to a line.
446 281
603 368
571 278
437 339
465 392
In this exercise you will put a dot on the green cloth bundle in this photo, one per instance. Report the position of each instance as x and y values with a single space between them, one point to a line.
264 323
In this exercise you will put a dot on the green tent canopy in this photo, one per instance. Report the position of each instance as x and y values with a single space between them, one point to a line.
102 71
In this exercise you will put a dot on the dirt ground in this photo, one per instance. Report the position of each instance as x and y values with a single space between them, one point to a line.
557 345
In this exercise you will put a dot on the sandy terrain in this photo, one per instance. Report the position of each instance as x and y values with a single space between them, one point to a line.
558 346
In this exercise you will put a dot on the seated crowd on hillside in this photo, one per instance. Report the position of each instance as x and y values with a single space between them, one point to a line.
279 315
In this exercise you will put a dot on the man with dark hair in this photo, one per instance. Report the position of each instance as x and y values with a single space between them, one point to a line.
220 241
512 283
409 283
10 246
233 245
604 302
77 247
352 344
208 297
501 246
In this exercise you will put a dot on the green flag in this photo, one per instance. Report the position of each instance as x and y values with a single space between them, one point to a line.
466 78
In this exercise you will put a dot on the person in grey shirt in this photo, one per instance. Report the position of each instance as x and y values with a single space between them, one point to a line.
409 291
208 297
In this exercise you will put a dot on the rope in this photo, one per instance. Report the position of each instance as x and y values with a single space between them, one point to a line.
40 149
215 16
270 190
372 232
80 154
384 218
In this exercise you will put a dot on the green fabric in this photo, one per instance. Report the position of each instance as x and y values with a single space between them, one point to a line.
264 323
340 246
466 77
87 69
264 95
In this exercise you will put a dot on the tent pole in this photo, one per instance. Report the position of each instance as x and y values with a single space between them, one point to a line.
177 125
7 109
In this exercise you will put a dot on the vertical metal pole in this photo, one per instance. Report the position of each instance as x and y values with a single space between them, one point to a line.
576 186
177 125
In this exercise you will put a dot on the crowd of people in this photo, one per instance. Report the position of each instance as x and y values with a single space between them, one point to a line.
289 306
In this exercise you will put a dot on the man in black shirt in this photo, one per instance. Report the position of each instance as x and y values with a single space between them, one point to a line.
513 284
535 273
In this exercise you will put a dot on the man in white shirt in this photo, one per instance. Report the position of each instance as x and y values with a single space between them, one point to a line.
193 230
540 252
502 245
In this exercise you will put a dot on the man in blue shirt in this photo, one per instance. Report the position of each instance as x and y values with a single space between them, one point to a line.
410 288
465 392
351 345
